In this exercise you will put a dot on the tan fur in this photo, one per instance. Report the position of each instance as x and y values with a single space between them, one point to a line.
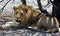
27 14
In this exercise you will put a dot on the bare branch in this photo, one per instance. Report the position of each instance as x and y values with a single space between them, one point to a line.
1 10
1 1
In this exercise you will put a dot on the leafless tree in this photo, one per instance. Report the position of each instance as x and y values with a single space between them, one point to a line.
1 10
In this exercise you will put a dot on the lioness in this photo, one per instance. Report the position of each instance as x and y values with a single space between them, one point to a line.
27 15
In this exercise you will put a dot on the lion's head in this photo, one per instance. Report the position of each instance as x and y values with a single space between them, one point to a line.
25 14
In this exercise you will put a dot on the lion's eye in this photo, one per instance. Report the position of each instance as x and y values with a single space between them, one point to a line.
16 12
21 14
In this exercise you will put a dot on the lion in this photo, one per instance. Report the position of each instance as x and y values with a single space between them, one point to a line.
29 16
25 14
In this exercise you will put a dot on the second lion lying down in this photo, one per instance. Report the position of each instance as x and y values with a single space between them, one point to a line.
28 16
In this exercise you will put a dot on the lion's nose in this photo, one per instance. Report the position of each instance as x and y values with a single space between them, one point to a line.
17 20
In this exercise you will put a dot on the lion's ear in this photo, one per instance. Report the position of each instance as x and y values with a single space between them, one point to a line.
15 8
